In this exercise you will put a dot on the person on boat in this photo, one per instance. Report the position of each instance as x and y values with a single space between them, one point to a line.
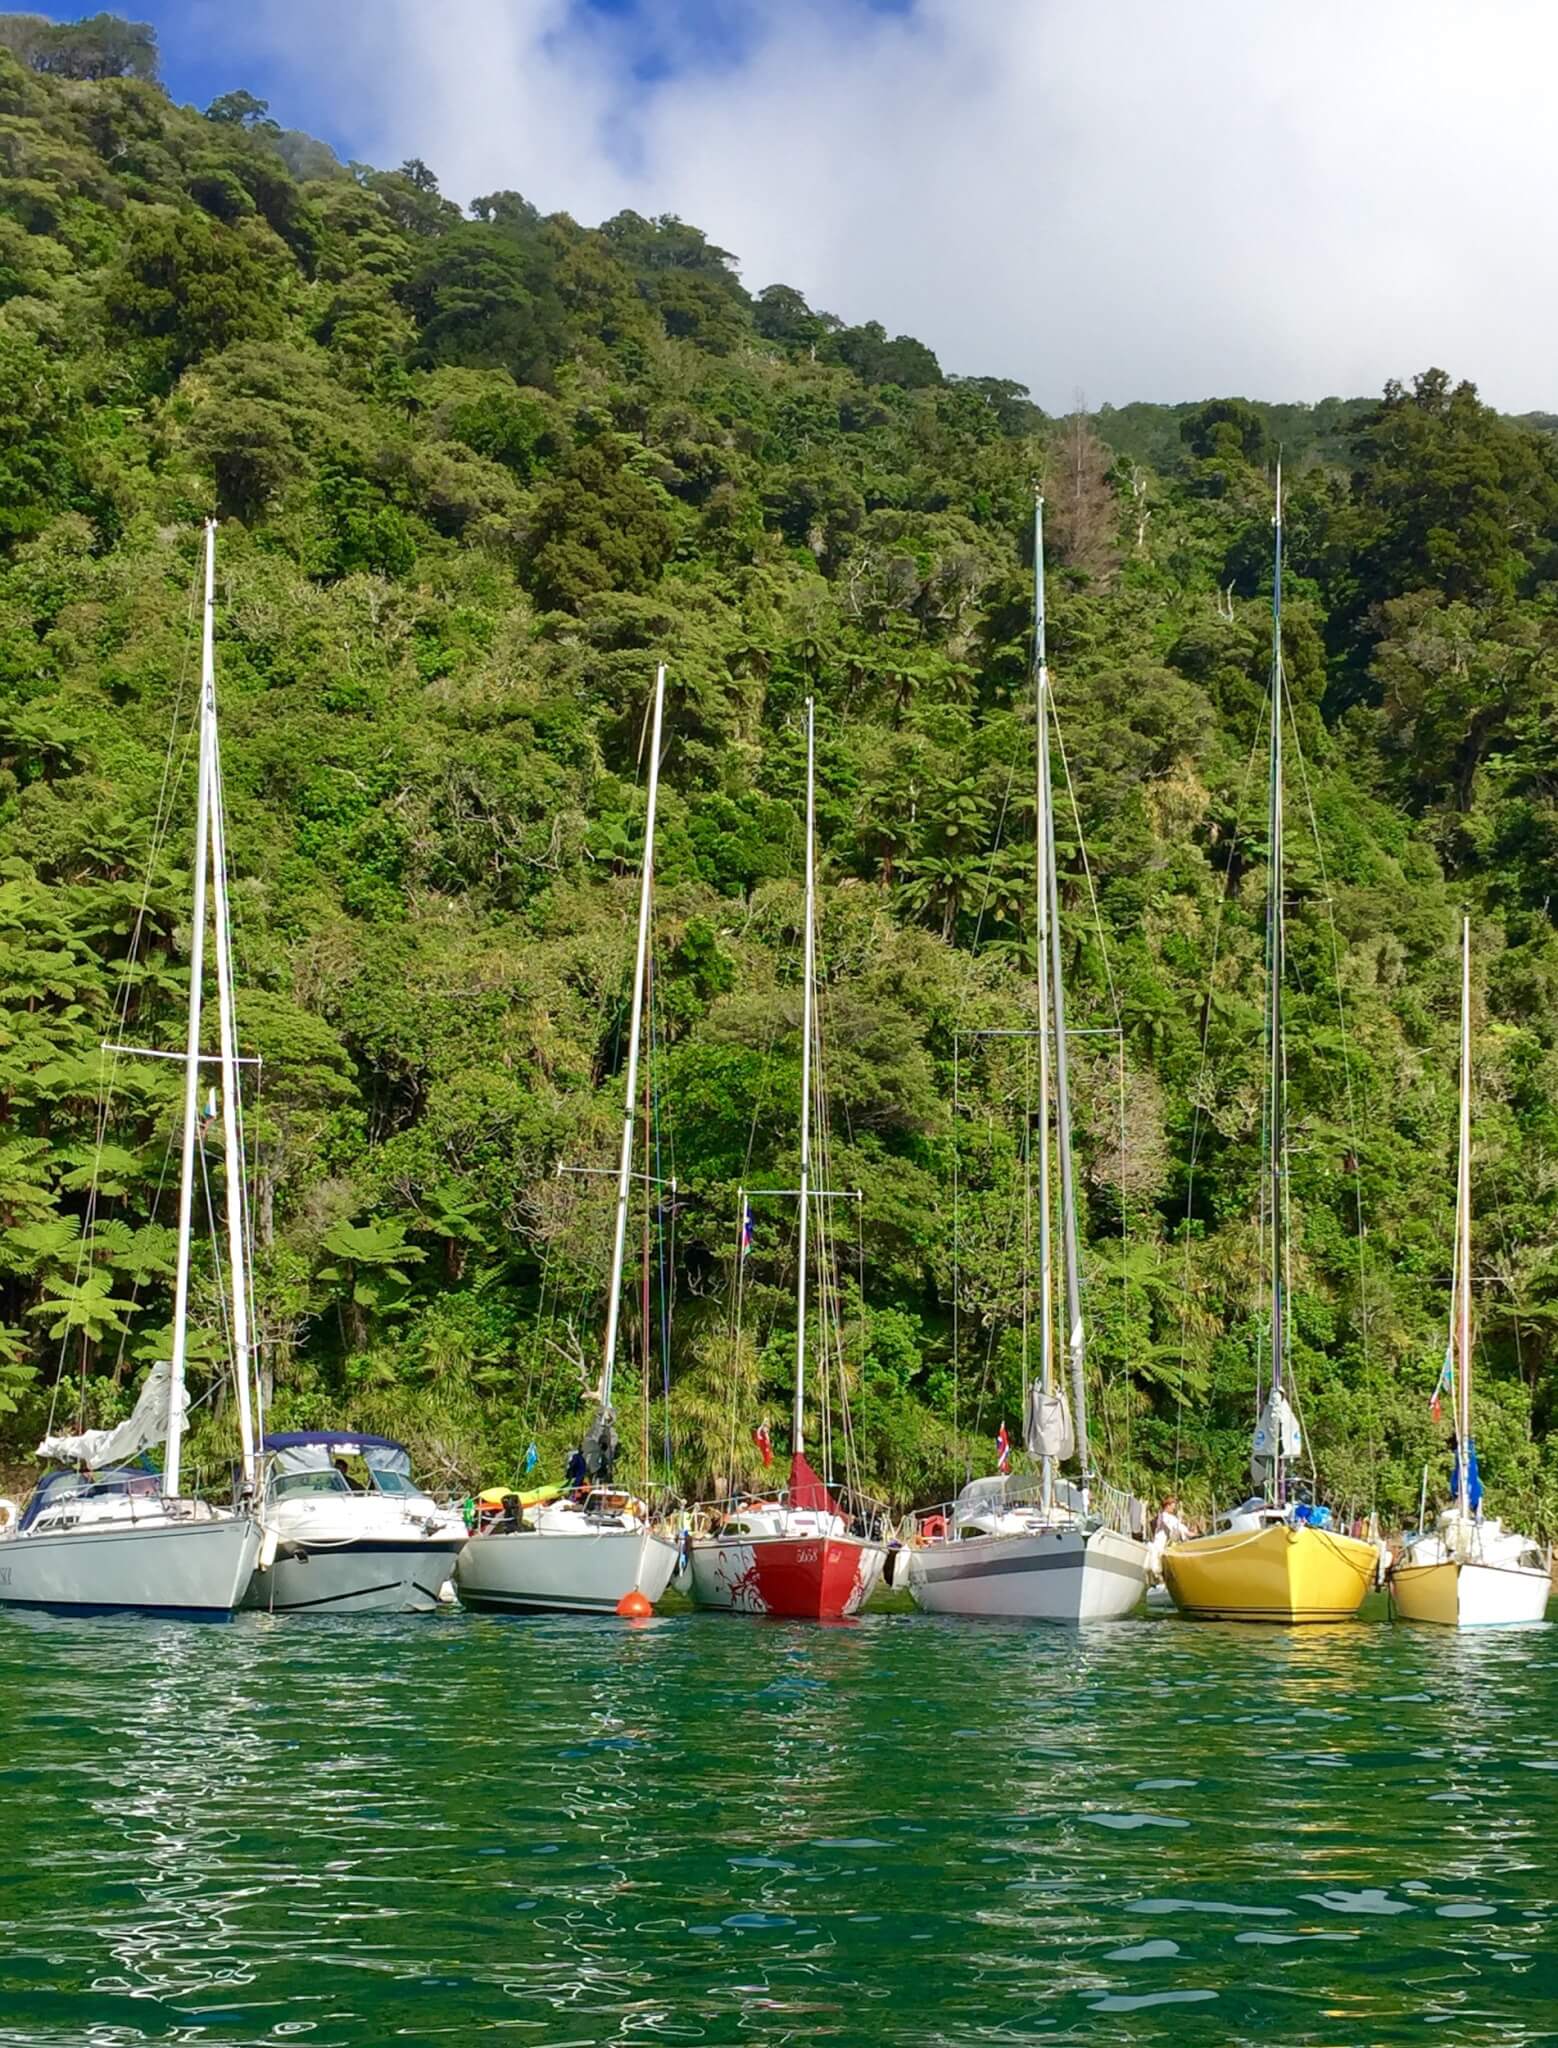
343 1473
1171 1525
577 1474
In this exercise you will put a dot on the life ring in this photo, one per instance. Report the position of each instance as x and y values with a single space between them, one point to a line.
9 1514
933 1529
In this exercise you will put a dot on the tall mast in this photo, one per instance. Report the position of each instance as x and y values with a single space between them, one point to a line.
635 1033
808 1000
1075 1334
1044 834
232 1144
1275 1094
197 964
1463 1242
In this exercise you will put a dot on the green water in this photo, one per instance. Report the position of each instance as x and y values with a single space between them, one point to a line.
703 1829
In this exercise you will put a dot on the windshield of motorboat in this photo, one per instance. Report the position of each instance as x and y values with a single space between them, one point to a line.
387 1481
286 1484
55 1487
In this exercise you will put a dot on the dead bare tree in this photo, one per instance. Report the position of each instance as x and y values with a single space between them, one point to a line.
1081 515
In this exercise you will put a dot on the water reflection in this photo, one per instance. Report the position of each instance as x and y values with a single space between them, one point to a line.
702 1830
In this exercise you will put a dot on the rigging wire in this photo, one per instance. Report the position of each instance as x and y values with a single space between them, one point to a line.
964 990
1117 1013
172 775
1371 1402
1198 1117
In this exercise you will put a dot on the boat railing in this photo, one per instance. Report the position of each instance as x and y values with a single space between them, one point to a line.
862 1514
492 1513
1114 1507
1022 1493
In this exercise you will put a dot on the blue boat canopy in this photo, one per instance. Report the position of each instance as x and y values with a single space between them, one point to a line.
141 1477
311 1450
343 1440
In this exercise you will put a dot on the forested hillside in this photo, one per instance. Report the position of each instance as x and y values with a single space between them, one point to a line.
477 471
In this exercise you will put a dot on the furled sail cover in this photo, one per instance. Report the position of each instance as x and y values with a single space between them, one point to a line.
146 1425
1277 1430
807 1490
1047 1431
601 1444
1006 1492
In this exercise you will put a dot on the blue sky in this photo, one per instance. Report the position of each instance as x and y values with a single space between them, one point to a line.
1125 198
210 47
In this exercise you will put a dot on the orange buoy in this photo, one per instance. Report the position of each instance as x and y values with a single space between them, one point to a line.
635 1606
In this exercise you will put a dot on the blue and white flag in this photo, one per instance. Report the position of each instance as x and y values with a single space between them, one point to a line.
532 1458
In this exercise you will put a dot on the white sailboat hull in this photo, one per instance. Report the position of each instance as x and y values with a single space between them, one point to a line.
1457 1595
590 1571
196 1567
1065 1574
1471 1574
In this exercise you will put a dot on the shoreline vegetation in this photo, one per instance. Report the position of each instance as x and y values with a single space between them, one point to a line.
478 471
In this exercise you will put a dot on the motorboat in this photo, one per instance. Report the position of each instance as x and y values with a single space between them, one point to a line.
339 1544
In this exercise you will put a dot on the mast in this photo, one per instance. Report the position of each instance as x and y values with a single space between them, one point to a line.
197 962
1275 1094
1463 1244
232 1144
1075 1332
1044 838
808 1000
635 1032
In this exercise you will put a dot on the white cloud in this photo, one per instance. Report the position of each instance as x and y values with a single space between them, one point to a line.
1137 199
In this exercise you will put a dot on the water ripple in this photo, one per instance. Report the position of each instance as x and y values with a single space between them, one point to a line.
569 1831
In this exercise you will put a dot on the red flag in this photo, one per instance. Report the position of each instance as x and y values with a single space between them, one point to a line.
764 1442
1003 1450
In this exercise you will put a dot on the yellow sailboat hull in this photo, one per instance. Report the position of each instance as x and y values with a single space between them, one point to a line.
1429 1593
1282 1574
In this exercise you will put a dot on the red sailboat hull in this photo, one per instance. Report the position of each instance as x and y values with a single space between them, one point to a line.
796 1578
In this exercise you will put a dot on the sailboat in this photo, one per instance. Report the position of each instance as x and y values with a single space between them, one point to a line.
808 1553
1276 1558
109 1532
1035 1546
1470 1571
597 1549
